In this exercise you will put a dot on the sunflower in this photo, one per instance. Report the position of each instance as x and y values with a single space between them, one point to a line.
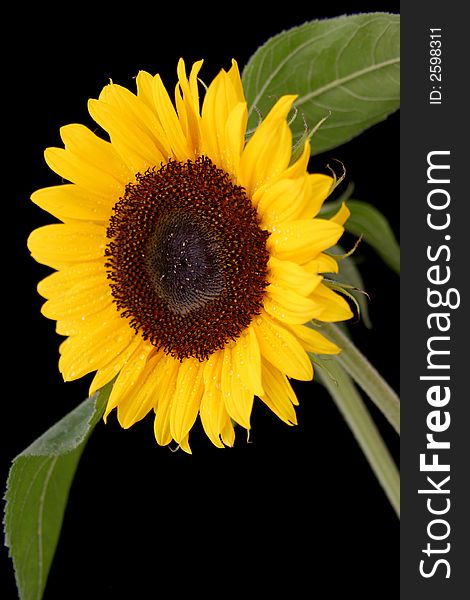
188 260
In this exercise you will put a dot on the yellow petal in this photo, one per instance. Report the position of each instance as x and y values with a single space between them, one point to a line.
222 113
85 310
288 306
323 263
290 275
319 187
168 370
83 143
136 147
78 170
187 400
247 357
267 153
109 314
187 102
140 399
279 395
301 241
144 83
228 433
146 92
129 379
209 124
60 245
82 354
330 305
283 201
70 201
237 397
299 167
79 301
212 411
342 215
80 276
184 444
235 128
313 341
234 76
194 84
180 146
143 118
109 371
282 349
280 109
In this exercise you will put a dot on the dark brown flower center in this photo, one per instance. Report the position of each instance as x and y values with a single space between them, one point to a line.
187 259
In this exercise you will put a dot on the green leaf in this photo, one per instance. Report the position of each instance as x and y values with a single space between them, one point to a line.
352 407
346 69
367 221
37 490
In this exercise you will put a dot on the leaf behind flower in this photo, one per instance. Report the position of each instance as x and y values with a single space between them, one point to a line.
346 69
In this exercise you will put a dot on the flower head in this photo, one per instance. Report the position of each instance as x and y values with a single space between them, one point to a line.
188 260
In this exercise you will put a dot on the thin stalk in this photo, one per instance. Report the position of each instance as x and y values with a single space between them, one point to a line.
356 415
365 375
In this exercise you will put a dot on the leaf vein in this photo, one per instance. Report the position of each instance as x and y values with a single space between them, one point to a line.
378 38
340 82
346 44
366 98
286 59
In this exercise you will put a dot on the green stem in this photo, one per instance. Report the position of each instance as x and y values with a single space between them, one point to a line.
355 413
365 375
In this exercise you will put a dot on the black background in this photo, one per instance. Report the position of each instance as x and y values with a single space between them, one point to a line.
296 508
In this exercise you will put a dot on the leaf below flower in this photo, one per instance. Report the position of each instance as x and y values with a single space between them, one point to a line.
37 490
